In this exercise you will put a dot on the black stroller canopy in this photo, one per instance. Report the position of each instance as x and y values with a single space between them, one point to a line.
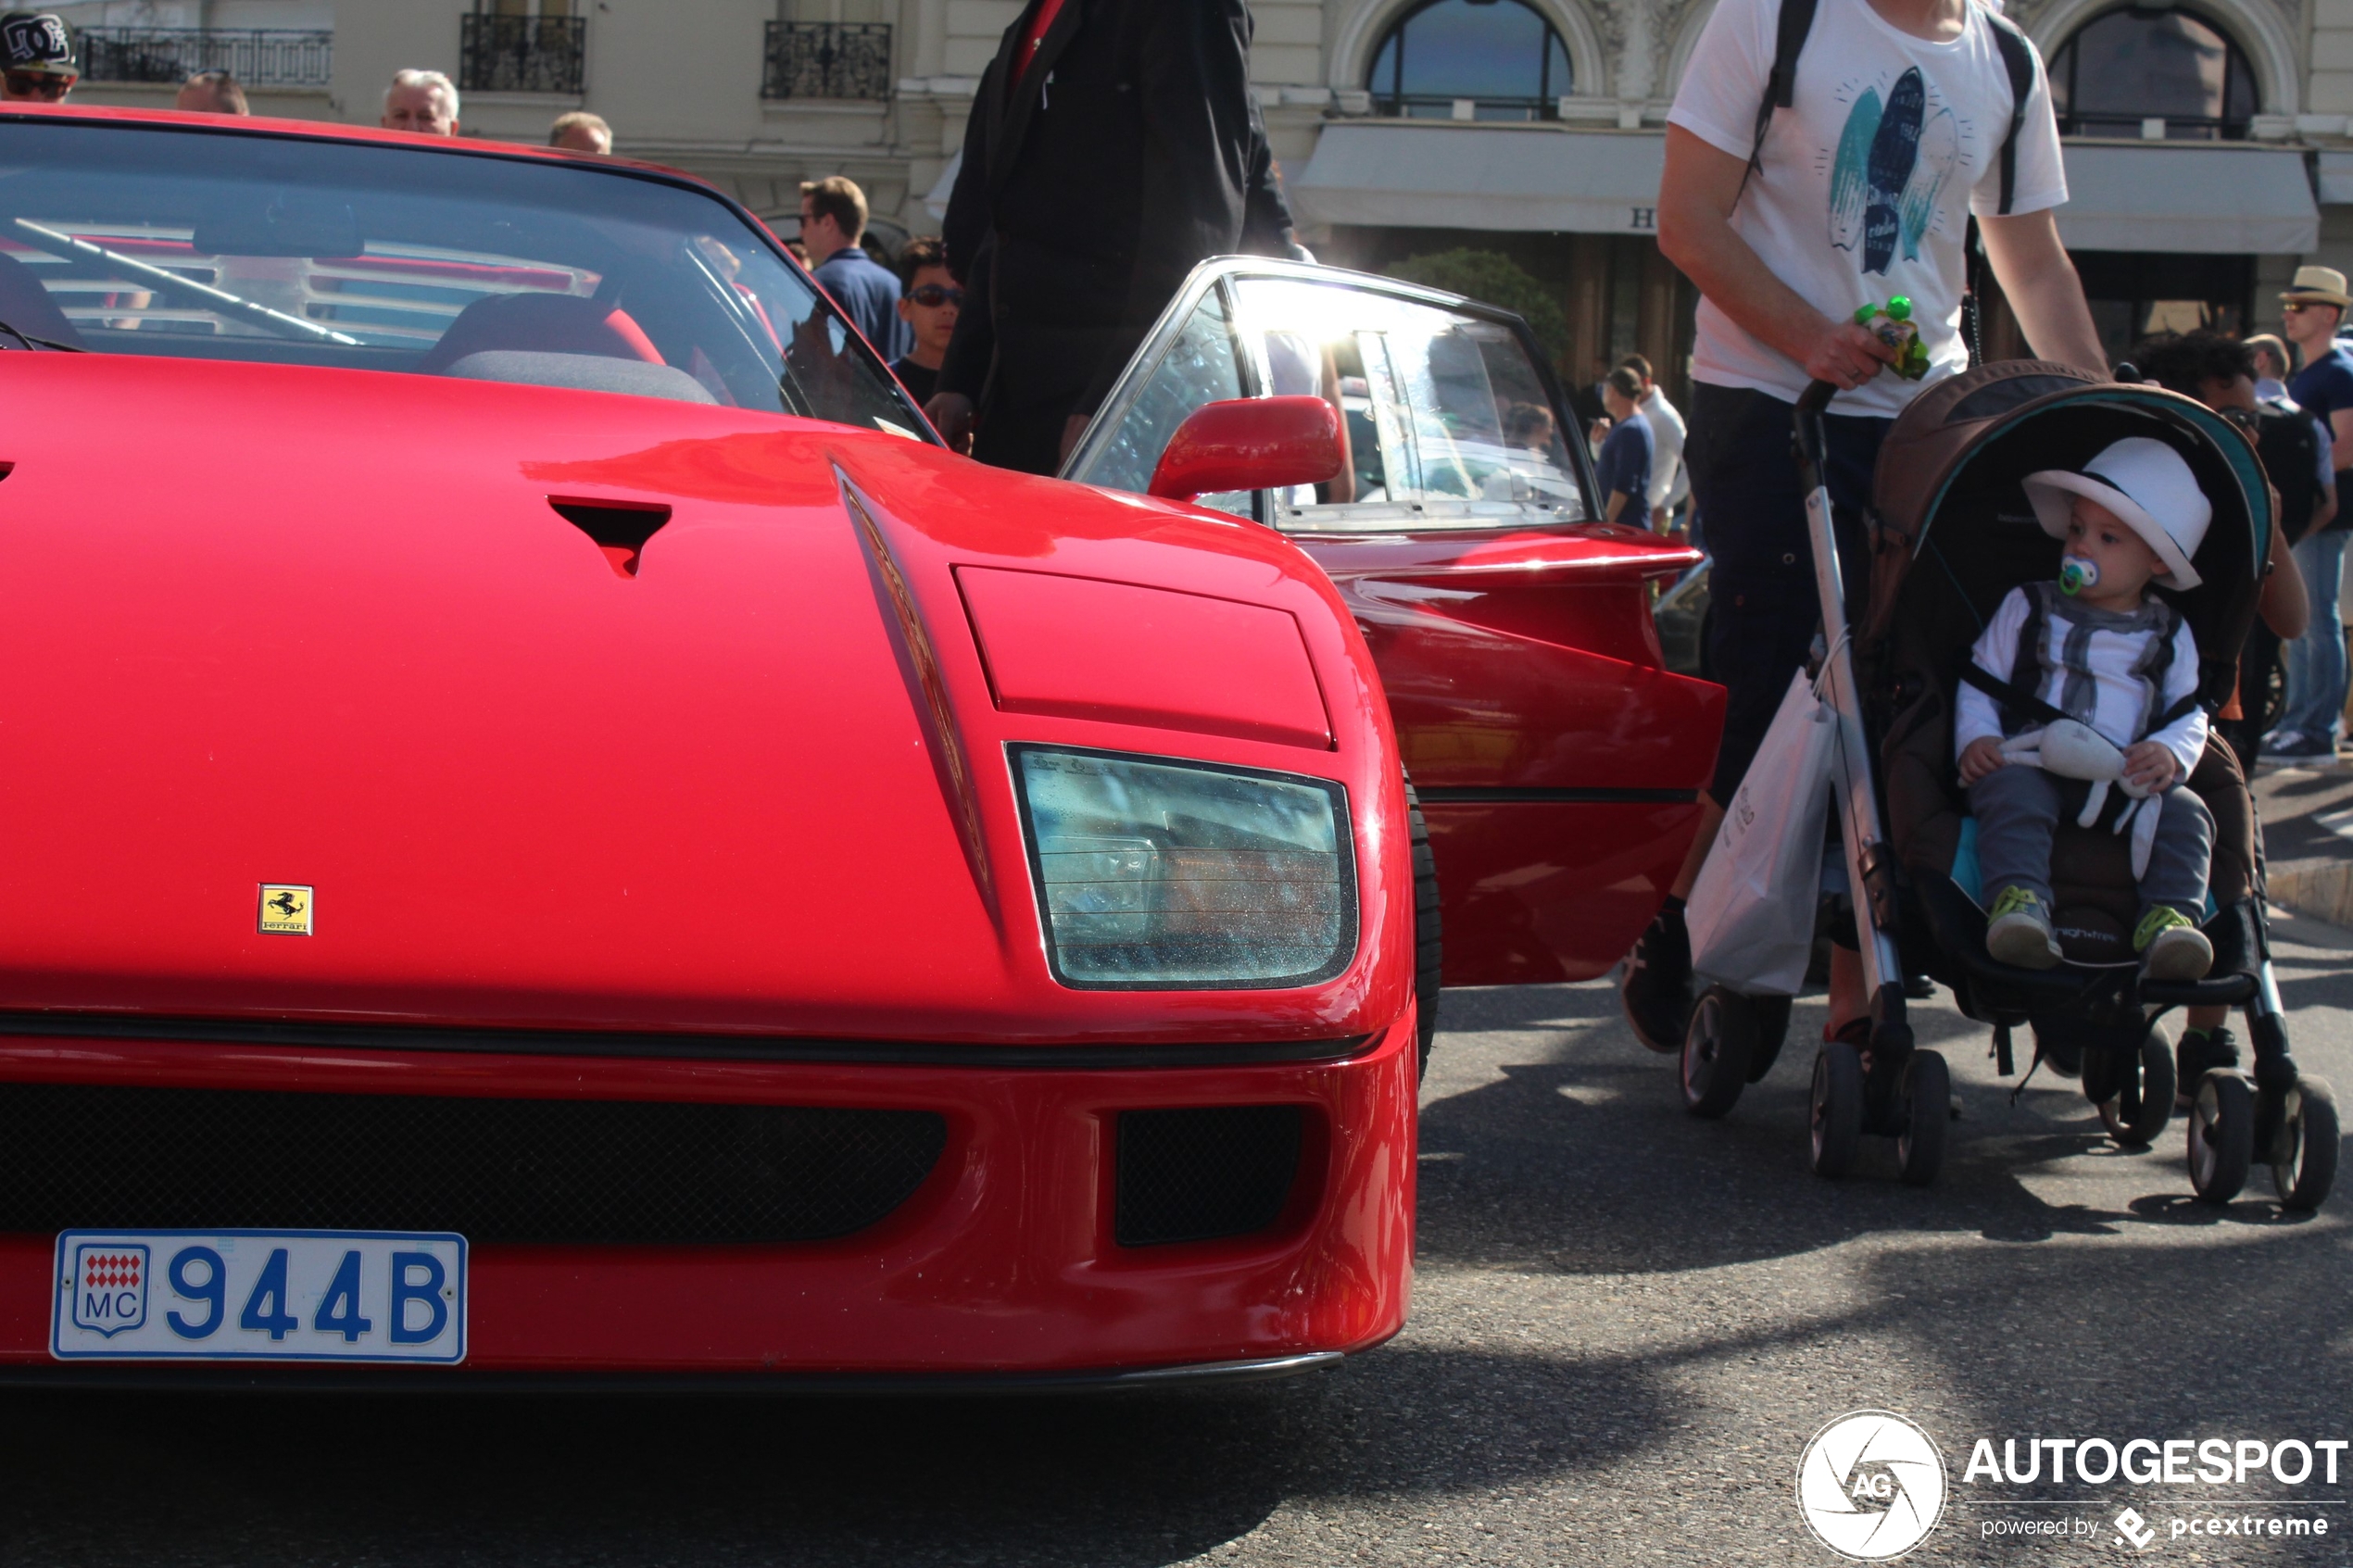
1951 508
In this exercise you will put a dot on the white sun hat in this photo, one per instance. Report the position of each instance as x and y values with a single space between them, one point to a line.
2148 486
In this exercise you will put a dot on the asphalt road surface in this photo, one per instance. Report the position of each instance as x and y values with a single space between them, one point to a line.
1626 1327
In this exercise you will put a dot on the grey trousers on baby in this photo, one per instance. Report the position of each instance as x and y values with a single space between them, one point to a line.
2018 808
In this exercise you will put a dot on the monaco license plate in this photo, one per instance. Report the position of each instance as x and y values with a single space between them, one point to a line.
260 1295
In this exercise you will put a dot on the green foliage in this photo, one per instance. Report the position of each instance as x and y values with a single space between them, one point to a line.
1496 278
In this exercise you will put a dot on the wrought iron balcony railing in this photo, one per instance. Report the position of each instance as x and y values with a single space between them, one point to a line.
521 53
258 56
827 61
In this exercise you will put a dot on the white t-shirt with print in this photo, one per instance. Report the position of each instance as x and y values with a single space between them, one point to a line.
1869 177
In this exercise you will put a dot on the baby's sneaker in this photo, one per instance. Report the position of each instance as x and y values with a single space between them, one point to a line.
2171 946
2020 932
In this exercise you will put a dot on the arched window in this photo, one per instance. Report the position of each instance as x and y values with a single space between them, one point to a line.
1498 55
2134 65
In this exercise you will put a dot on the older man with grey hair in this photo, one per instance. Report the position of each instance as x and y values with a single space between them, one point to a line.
423 101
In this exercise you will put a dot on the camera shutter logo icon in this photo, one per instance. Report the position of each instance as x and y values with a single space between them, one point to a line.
1871 1486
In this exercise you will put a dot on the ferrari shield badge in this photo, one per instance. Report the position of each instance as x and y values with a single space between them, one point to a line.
285 910
109 1286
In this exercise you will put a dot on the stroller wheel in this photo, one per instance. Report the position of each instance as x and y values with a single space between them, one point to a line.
1772 1028
1837 1108
1718 1045
2303 1153
2140 1098
1927 1095
2221 1135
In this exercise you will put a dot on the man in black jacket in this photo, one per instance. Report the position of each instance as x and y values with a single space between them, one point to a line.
1107 154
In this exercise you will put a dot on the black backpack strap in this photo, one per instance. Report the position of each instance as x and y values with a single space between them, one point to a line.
2017 55
1781 87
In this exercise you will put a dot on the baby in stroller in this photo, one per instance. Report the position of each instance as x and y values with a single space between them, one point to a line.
2091 680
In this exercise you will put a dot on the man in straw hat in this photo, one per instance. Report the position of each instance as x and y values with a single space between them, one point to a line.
2313 307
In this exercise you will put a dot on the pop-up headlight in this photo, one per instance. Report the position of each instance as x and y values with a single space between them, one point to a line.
1159 875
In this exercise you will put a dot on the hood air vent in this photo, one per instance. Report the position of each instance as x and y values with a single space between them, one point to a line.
619 528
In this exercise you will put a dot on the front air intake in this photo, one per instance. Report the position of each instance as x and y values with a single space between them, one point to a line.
1200 1174
581 1172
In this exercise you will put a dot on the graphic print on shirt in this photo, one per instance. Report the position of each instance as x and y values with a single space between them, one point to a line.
1892 162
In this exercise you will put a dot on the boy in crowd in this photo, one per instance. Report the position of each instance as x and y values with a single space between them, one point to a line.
929 299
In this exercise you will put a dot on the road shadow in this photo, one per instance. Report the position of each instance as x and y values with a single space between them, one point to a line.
1098 1481
1576 1154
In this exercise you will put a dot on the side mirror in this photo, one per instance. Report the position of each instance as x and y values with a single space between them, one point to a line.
1249 444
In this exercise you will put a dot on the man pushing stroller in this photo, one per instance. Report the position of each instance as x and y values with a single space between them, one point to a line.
2088 680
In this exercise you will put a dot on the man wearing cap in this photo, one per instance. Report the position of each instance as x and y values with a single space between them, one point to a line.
2316 663
37 53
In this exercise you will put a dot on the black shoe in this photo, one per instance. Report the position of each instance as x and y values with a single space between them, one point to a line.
2201 1052
1655 989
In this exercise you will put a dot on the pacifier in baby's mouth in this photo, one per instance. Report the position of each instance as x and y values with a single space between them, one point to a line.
2077 573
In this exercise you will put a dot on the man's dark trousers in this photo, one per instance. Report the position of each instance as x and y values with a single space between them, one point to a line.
1762 611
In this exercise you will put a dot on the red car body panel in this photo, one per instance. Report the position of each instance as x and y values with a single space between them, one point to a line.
1556 760
1002 1262
367 655
749 784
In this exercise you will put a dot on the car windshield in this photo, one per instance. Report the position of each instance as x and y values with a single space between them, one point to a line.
152 240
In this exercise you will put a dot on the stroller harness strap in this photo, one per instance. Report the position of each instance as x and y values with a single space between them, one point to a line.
1796 19
2021 704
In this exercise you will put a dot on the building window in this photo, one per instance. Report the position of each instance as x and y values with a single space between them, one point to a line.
827 61
2136 65
1471 59
521 46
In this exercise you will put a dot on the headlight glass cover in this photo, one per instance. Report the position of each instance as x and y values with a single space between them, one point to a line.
1159 875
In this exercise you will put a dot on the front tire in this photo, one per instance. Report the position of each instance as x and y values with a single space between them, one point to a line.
2221 1141
1925 1111
1428 950
1718 1047
2141 1101
2303 1153
1836 1109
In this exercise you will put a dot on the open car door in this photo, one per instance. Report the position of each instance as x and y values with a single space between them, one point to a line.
1557 760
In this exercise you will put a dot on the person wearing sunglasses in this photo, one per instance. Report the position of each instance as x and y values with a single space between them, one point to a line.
36 58
928 302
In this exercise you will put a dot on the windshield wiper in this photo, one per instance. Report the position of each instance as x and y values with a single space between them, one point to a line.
31 342
205 295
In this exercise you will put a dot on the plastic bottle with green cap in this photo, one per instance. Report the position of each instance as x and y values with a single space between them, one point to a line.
1892 324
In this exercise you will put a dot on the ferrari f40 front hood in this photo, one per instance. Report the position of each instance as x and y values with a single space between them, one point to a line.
343 694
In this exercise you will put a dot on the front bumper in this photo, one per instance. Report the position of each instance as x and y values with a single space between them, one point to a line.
1002 1265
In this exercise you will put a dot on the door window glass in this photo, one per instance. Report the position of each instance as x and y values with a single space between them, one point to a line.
1448 420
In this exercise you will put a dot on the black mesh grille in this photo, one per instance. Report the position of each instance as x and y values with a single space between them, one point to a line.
1190 1175
78 1156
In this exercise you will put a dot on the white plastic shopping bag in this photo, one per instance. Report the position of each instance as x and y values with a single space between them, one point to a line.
1751 912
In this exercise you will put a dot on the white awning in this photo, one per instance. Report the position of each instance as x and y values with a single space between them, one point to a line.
1413 174
936 199
2336 178
2222 199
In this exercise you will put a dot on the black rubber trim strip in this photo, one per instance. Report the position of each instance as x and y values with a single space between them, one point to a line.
330 1378
1476 794
654 1044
